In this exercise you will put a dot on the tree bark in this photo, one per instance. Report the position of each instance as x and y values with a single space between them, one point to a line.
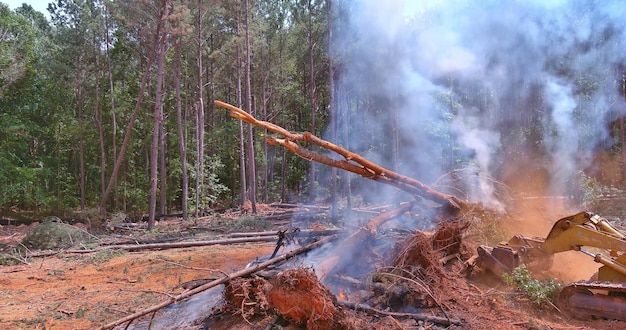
158 112
98 117
81 140
200 116
112 97
332 109
312 91
242 149
250 140
182 145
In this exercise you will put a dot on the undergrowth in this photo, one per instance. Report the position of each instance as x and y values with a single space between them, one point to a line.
54 234
539 291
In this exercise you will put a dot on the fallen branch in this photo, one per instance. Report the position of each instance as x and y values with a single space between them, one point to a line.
304 232
419 317
326 267
216 282
352 162
159 246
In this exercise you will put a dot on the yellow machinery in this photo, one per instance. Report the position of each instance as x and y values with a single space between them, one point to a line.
605 295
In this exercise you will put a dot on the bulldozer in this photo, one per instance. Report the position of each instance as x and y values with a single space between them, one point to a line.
604 295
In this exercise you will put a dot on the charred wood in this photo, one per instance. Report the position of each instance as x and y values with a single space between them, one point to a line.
418 317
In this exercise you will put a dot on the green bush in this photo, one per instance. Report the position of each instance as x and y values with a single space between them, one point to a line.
538 291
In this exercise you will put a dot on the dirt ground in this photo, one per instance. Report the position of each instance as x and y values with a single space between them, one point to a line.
86 291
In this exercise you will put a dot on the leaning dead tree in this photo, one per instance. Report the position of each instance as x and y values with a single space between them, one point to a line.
351 162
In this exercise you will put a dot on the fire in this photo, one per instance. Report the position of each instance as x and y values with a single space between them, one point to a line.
341 295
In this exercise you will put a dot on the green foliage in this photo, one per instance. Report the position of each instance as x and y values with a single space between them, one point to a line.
592 191
17 42
539 292
240 224
212 188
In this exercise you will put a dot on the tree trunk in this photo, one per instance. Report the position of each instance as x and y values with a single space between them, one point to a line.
200 117
344 118
242 150
332 109
312 100
182 145
211 119
113 119
162 160
81 140
158 114
98 116
250 141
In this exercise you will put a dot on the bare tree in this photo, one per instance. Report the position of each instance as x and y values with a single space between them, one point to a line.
161 49
312 91
200 115
112 96
242 150
332 107
179 120
250 140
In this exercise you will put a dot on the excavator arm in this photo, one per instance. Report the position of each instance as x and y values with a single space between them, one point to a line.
574 232
605 297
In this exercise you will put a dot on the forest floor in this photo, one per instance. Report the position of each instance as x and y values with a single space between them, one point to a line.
86 291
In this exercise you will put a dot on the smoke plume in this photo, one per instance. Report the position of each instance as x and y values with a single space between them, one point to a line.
474 85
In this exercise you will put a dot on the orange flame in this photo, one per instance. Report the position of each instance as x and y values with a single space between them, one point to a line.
342 296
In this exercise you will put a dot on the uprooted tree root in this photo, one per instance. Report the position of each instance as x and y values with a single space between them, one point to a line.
416 275
294 294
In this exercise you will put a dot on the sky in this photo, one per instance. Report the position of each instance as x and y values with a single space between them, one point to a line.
38 5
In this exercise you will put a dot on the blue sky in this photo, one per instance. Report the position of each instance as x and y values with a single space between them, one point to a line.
38 5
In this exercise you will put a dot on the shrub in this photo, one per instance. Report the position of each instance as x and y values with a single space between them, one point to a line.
538 291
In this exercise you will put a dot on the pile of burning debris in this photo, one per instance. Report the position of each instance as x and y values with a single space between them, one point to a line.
412 289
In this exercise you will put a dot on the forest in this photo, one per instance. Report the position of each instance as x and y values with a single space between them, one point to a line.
109 105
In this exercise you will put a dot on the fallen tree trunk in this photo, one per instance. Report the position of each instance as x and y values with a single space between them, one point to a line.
159 246
351 242
216 282
305 232
352 162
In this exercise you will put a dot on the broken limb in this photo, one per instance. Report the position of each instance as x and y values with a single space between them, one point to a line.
352 162
158 246
216 282
326 267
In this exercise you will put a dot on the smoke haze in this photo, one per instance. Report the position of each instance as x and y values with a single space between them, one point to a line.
473 84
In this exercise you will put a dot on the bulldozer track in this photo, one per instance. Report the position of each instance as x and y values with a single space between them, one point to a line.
610 304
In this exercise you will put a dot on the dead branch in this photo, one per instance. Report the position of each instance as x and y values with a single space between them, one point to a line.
419 317
352 162
352 241
307 232
159 246
216 282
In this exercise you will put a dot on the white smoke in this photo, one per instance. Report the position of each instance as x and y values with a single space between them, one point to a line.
472 80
